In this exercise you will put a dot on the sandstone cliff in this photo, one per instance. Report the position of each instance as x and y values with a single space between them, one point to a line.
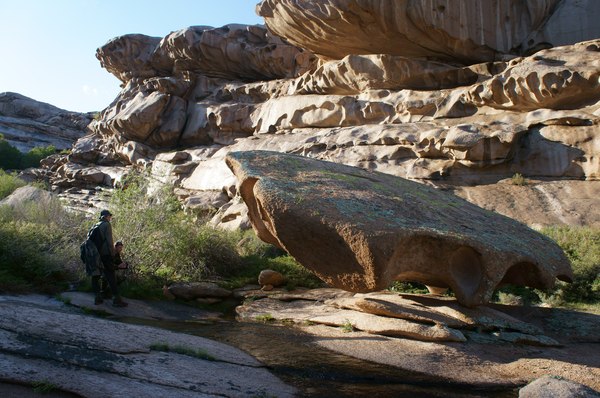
430 90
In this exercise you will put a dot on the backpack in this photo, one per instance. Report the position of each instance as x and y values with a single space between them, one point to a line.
88 252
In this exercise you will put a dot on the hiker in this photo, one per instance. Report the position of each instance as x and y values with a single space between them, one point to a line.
118 265
104 242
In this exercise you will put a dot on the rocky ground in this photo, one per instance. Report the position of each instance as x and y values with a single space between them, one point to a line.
47 341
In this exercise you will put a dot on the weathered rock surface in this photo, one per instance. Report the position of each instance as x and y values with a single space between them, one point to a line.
556 387
368 229
445 119
28 193
97 358
567 338
194 290
236 52
270 277
465 30
26 123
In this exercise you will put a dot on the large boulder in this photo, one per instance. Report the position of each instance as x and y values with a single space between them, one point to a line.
466 31
360 230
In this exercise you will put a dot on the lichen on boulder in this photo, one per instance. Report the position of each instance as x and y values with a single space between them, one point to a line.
360 230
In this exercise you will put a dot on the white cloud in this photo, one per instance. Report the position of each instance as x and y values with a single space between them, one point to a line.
89 91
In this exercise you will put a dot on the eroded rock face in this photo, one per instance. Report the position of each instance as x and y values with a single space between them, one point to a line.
237 52
26 123
468 31
367 229
441 119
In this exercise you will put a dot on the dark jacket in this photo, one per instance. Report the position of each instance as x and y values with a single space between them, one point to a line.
104 242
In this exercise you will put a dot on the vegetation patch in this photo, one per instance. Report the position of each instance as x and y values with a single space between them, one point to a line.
13 159
518 179
265 318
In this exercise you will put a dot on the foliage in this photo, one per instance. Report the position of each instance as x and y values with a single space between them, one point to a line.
295 274
408 287
518 179
265 318
34 156
8 183
162 242
582 247
44 387
12 159
38 245
347 327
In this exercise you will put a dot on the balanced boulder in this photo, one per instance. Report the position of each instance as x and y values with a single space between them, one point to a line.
360 230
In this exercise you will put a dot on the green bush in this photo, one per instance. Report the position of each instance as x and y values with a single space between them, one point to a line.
582 247
34 156
39 247
8 183
12 159
163 242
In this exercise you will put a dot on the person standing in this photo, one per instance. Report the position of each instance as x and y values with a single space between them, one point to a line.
104 242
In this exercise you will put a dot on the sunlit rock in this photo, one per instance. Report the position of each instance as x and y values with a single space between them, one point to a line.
367 229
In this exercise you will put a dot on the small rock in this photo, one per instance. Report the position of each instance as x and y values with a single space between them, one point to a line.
270 277
267 288
556 387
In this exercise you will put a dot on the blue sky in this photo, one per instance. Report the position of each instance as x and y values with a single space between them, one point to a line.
48 47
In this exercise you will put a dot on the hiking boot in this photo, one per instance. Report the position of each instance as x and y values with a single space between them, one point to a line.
119 303
98 300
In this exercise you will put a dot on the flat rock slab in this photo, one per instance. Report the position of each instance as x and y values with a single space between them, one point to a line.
96 357
497 351
392 314
159 310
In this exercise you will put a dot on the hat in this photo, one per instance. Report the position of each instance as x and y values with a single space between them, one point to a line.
105 213
119 243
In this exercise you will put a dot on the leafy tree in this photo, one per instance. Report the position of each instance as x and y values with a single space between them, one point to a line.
10 157
34 156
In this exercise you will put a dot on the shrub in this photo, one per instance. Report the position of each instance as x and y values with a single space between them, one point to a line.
8 183
162 242
518 179
582 247
12 159
39 247
34 156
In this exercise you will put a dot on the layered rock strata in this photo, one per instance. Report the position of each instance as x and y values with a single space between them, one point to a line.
26 123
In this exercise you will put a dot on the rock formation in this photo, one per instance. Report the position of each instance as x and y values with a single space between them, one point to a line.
26 123
463 109
467 31
366 229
